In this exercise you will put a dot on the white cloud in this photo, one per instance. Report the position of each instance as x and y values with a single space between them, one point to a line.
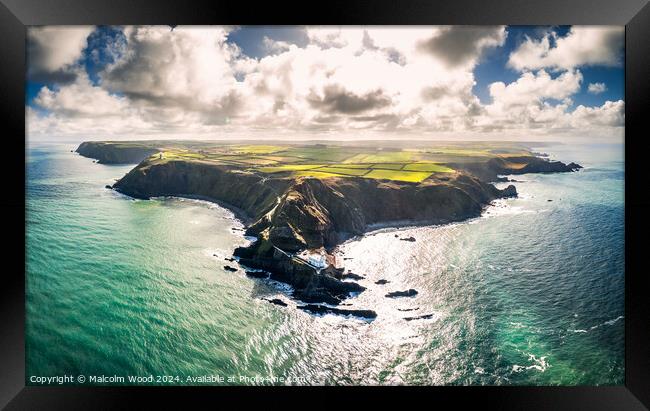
597 88
350 79
52 50
275 46
81 99
337 37
534 88
538 104
82 110
188 68
610 114
192 82
583 45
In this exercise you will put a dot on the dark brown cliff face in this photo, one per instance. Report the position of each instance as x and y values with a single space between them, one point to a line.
531 165
293 214
245 192
317 213
310 284
313 213
305 213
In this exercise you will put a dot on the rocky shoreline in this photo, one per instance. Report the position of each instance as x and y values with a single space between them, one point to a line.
291 215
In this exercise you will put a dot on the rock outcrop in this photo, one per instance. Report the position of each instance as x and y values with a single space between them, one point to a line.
315 213
322 309
492 168
292 214
406 293
247 194
310 284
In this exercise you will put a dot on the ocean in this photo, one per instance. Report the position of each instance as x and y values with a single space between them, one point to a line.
123 291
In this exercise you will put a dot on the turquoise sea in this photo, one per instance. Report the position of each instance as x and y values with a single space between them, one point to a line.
531 293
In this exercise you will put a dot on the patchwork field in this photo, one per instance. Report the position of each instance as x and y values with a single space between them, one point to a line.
332 160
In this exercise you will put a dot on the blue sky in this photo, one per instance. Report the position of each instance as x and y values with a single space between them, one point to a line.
99 48
94 57
494 68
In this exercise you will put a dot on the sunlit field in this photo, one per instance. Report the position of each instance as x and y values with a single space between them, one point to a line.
331 160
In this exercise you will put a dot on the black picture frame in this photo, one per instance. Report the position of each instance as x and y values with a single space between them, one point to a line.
15 15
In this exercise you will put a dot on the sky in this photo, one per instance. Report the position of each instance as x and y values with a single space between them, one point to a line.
353 82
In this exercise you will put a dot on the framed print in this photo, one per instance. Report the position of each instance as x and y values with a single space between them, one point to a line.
409 199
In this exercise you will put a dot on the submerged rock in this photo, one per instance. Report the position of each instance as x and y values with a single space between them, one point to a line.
322 309
419 317
353 276
407 293
382 282
257 274
229 268
510 191
277 301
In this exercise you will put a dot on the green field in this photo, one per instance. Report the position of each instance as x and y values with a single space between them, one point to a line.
393 166
334 160
383 157
288 167
257 149
431 167
316 153
411 176
317 174
345 171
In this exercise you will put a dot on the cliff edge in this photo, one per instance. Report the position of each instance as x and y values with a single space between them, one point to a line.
115 153
290 214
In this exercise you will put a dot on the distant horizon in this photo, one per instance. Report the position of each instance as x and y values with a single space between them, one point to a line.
574 140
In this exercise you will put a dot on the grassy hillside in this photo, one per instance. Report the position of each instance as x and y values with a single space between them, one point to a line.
283 160
404 161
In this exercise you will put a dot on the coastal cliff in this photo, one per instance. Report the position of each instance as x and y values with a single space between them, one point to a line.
490 170
247 194
290 214
305 213
112 153
315 213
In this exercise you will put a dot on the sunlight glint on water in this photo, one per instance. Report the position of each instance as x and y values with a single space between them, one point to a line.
530 293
